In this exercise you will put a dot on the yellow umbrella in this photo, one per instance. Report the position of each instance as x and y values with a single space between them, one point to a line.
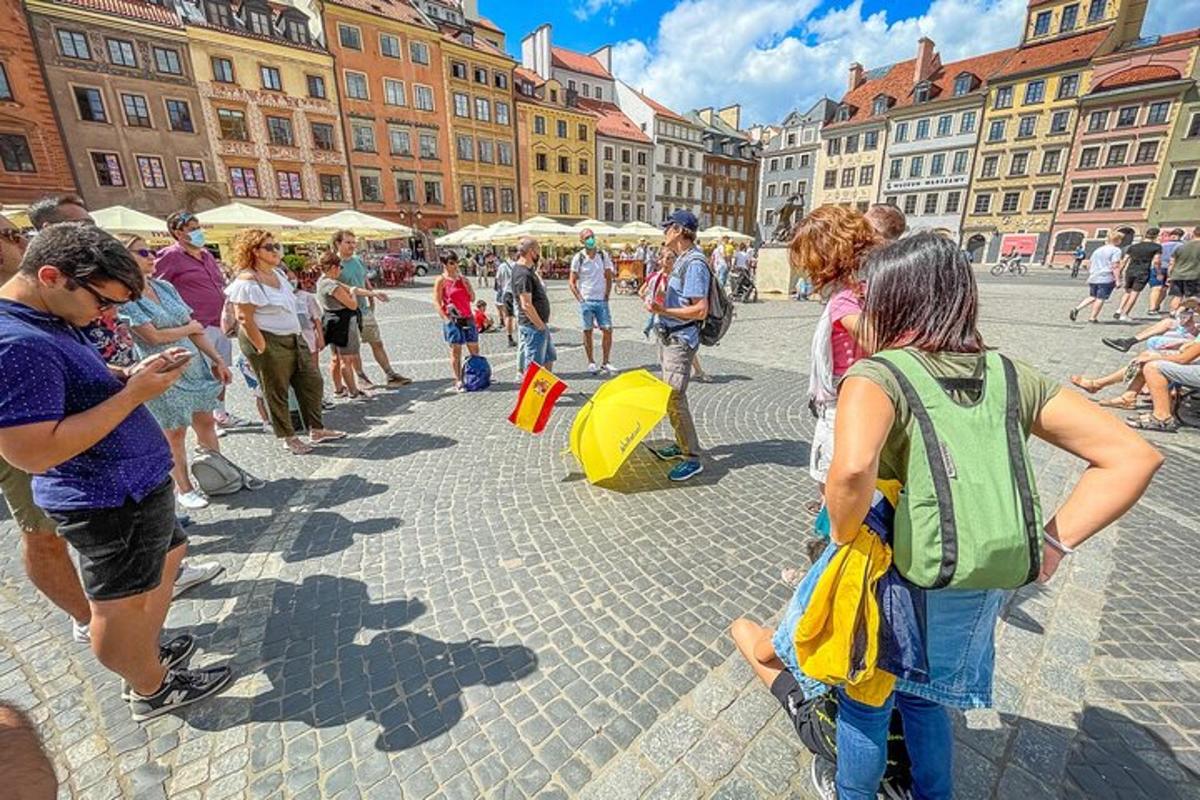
617 417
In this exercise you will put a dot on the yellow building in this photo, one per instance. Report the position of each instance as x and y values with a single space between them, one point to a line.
1029 122
269 102
556 142
482 129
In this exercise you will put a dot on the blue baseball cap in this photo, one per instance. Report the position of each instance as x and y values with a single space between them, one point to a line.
684 219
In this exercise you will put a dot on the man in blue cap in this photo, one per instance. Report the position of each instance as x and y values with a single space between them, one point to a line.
683 307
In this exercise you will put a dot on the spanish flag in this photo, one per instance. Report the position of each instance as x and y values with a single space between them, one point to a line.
539 391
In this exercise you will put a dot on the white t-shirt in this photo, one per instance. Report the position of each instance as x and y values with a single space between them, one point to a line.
741 259
591 270
1103 264
718 256
276 309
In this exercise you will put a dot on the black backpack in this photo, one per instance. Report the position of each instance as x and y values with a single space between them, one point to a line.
720 310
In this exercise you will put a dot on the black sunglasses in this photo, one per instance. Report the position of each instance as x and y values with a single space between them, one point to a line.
273 247
101 301
144 252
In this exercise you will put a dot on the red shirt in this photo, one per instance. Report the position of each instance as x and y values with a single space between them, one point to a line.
199 281
480 318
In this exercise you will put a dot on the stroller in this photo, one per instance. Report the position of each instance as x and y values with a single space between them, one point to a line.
741 286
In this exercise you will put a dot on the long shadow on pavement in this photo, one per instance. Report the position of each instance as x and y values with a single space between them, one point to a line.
321 534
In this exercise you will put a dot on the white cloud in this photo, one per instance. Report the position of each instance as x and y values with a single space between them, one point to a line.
774 55
587 9
1168 16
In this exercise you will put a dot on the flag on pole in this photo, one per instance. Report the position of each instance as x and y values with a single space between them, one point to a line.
540 389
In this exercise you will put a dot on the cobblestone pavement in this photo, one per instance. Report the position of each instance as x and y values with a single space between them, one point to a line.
442 606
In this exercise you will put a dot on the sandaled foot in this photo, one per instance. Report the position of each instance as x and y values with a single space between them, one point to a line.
1149 422
297 447
1124 402
318 437
1087 384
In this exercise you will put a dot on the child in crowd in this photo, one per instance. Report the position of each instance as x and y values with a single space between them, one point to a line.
482 321
309 313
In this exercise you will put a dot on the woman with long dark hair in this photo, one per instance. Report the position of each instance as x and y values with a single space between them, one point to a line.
921 318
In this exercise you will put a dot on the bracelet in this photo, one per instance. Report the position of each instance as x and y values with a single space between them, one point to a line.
1057 545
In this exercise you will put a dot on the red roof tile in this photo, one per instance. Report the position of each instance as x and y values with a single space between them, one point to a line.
578 62
528 75
659 108
484 22
1052 54
896 83
398 10
132 9
612 121
1136 76
943 78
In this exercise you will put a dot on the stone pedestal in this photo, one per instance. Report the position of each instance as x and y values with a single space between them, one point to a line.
775 273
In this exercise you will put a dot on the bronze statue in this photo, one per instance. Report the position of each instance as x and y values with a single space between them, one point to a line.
793 208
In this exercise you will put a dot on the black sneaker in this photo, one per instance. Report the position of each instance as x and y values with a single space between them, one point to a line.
172 654
182 687
1123 344
1074 314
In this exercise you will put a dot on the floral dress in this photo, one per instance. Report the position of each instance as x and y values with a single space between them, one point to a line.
110 335
196 389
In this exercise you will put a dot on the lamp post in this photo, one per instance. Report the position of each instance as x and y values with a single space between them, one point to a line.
413 219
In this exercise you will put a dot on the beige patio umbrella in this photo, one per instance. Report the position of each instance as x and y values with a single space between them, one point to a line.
124 220
455 238
636 231
489 234
602 229
717 232
544 229
363 225
241 215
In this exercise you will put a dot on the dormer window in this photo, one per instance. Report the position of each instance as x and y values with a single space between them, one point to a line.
297 31
921 92
963 84
881 104
216 12
843 113
259 22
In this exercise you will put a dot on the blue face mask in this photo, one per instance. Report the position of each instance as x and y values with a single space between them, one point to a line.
590 243
196 238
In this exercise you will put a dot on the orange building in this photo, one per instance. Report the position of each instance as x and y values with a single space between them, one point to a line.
33 161
389 65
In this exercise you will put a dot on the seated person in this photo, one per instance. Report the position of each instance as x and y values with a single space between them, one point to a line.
482 321
1182 325
1181 369
1162 343
810 706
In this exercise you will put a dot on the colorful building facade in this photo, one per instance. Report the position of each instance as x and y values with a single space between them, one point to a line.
556 140
1176 202
788 161
625 161
729 192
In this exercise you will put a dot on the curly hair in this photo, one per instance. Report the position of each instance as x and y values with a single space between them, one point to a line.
831 244
245 244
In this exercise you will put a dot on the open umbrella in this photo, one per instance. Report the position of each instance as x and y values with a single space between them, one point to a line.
455 238
364 225
717 232
240 215
544 229
488 234
602 229
615 420
120 219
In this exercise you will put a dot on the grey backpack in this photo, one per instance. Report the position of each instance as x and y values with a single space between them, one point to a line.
216 475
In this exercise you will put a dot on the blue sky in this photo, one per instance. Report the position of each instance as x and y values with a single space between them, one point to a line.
774 55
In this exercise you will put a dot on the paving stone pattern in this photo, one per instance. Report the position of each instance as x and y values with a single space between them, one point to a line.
443 606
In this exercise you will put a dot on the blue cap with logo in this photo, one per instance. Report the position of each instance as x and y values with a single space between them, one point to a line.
684 219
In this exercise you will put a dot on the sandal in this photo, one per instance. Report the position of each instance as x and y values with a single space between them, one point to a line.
329 436
1087 384
297 447
1121 402
1149 422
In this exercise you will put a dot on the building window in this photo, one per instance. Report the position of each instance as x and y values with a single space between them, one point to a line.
501 82
1068 86
90 104
1019 164
1193 127
217 13
931 204
232 124
222 70
393 92
1105 195
504 153
830 179
167 61
870 140
866 174
423 97
502 117
120 52
879 106
1077 201
399 142
1089 157
1096 10
297 31
369 188
469 200
1027 126
349 37
539 124
959 167
465 146
771 190
483 109
1004 97
937 165
150 169
137 111
418 52
487 195
260 23
896 169
583 170
1041 200
192 171
481 76
389 47
1116 155
508 201
406 189
271 78
540 162
564 203
1135 196
1059 121
108 169
561 129
331 188
847 177
1010 203
952 201
1181 183
1146 153
1158 112
991 166
1070 15
564 164
967 125
316 86
462 105
910 204
279 131
851 147
1041 24
983 204
944 124
962 85
15 154
323 137
433 192
1097 121
922 129
179 116
996 130
458 70
356 86
487 151
74 44
1050 161
428 144
582 134
363 135
902 132
916 166
1127 117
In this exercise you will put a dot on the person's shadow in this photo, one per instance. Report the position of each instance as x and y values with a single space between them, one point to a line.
322 533
410 684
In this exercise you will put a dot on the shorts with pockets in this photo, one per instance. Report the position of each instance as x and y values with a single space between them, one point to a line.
370 330
1136 281
1101 291
453 334
17 486
595 313
1185 288
122 550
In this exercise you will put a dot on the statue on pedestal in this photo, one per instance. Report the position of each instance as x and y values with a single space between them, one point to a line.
788 217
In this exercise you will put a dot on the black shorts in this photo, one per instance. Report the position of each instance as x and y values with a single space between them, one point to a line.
1184 289
1136 281
122 550
815 721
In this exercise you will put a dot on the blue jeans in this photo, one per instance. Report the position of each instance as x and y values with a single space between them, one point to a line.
595 313
535 346
862 747
723 276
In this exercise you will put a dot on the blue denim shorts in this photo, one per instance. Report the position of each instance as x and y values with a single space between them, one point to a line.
595 313
456 335
1101 291
536 346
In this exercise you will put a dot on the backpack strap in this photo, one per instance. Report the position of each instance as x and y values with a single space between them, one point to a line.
937 470
1016 456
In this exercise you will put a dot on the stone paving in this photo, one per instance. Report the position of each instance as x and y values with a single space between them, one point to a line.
443 606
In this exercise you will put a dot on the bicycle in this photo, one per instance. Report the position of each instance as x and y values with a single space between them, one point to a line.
1010 265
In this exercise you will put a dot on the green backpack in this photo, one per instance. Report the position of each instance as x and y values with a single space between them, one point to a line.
969 515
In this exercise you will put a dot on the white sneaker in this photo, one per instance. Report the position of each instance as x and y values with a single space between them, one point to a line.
231 422
81 633
192 500
1125 318
592 368
823 775
609 368
195 574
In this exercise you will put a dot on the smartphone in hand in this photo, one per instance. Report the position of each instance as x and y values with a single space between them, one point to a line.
175 360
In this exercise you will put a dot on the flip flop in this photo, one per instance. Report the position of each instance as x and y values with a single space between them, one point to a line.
1087 384
331 436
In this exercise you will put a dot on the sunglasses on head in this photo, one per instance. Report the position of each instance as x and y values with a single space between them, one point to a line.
13 235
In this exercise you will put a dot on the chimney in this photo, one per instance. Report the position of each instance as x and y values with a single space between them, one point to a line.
470 9
928 60
604 56
705 114
535 51
732 116
856 75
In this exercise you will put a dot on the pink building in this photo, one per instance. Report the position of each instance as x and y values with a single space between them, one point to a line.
1121 141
